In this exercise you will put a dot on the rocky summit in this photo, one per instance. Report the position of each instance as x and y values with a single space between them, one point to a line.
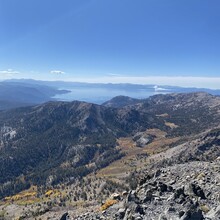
184 191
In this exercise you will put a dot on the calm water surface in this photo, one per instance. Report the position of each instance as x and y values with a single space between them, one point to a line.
100 95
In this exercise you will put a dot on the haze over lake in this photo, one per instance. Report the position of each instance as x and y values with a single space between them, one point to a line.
99 93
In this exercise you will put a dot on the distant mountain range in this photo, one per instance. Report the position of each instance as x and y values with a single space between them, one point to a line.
17 94
26 92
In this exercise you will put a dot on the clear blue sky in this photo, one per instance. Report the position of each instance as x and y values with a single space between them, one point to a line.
109 39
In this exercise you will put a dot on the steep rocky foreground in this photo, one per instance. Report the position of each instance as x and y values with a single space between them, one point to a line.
184 191
182 183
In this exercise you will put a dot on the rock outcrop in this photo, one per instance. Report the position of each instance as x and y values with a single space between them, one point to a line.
189 191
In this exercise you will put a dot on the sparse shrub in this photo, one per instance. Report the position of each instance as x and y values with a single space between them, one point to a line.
108 203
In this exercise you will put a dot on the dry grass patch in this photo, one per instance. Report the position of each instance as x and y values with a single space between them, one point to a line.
121 168
108 203
171 125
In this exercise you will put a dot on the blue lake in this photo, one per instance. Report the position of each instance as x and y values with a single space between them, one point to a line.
100 95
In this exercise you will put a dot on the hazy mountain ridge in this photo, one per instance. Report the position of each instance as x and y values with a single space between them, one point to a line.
18 94
182 113
98 93
121 101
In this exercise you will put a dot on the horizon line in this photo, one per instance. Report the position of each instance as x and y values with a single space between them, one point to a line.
177 81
